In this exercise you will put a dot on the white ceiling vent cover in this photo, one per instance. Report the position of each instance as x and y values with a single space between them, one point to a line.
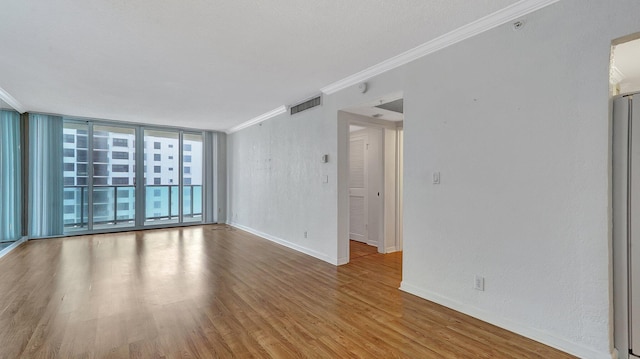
308 104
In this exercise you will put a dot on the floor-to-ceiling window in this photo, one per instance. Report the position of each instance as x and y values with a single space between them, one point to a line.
161 176
99 172
192 151
75 144
113 176
104 188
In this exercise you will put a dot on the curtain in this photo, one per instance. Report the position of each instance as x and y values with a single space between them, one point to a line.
45 176
10 177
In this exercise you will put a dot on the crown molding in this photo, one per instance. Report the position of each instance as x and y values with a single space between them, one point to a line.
479 26
265 116
6 97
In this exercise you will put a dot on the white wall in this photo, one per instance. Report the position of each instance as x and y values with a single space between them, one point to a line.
276 186
517 122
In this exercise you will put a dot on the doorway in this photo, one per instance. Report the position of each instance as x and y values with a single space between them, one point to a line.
370 178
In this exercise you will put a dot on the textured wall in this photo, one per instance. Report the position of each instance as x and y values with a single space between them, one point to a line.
275 181
517 122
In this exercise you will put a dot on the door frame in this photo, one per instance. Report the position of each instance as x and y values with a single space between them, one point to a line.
390 227
621 159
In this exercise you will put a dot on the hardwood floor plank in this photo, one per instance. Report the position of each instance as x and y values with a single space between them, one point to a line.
218 292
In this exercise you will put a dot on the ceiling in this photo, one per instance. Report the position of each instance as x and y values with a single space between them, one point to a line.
204 64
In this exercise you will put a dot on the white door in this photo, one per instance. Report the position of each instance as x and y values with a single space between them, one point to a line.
358 211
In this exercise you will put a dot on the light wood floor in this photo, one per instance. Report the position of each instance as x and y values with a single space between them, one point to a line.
359 249
211 292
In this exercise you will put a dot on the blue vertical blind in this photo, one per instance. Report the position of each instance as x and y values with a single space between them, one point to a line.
10 177
45 176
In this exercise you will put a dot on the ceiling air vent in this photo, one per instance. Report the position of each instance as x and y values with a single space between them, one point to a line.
311 103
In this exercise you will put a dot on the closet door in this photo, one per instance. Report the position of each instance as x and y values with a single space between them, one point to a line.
358 212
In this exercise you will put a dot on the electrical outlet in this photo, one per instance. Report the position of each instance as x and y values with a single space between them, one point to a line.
305 234
478 283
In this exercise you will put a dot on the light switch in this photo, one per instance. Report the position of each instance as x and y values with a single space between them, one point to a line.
436 177
325 179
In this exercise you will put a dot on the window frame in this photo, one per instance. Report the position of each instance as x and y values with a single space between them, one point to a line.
140 151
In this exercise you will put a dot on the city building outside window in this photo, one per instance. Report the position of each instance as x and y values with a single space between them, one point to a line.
117 155
120 168
120 180
120 142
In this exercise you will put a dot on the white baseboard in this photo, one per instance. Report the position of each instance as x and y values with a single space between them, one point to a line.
288 244
537 335
343 260
12 246
390 249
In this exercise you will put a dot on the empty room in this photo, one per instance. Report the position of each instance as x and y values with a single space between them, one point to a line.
319 179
